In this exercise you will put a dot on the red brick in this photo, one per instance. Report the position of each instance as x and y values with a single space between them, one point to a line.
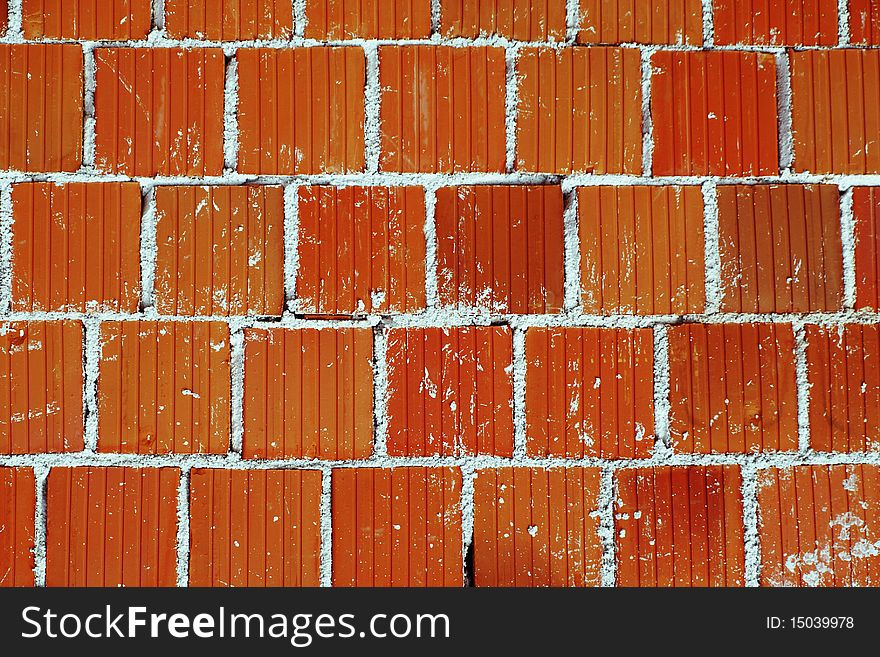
301 110
523 20
589 392
844 376
86 20
76 247
780 248
159 111
864 22
450 391
537 527
642 250
41 93
308 393
442 109
775 22
111 526
41 387
220 250
866 214
229 20
665 22
732 388
714 113
164 387
680 526
361 250
819 525
17 530
330 20
255 528
580 110
831 93
500 248
397 527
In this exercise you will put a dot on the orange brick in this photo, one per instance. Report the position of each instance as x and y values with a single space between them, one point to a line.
301 110
834 129
397 527
580 110
308 393
331 20
164 387
450 391
442 109
523 20
714 113
732 388
780 248
844 376
86 20
589 392
255 528
361 250
819 525
159 111
666 22
111 526
866 214
537 527
17 531
864 22
500 248
642 250
76 247
220 250
41 387
680 526
41 123
775 22
229 20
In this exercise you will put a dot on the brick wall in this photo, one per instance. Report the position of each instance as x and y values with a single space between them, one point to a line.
414 292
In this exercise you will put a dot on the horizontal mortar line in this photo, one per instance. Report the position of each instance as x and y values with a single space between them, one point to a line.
235 462
442 318
567 181
160 39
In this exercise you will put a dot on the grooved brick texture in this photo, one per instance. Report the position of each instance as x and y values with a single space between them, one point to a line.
439 293
111 526
536 527
819 525
220 250
308 393
254 527
17 512
500 248
41 380
76 246
397 527
361 250
680 526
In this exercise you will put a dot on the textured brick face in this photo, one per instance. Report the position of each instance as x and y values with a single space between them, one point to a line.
500 249
589 392
536 527
397 527
523 20
680 526
229 20
450 391
255 528
116 20
17 504
76 247
866 215
775 23
732 388
819 525
367 19
657 22
111 526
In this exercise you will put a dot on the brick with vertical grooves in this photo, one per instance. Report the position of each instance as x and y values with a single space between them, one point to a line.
17 528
